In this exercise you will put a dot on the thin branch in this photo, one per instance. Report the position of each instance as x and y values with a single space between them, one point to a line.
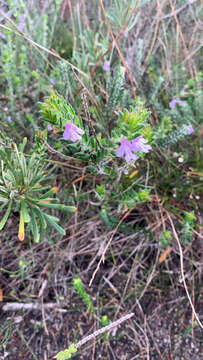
29 306
182 271
104 329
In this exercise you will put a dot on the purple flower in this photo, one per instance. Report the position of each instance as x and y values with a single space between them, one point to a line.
128 147
22 17
106 65
173 103
125 150
22 22
72 132
49 127
138 144
190 129
9 119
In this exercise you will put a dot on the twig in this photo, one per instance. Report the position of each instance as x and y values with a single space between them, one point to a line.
182 36
50 149
105 250
182 271
118 49
155 34
116 39
28 306
89 118
104 329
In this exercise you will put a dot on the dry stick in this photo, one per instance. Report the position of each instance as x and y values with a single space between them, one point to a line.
181 35
50 149
104 329
105 250
43 317
28 306
182 271
85 17
118 49
89 118
116 39
155 35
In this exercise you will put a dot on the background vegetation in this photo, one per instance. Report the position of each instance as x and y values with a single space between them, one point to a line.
91 233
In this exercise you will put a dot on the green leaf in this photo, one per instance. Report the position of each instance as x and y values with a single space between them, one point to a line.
66 354
41 217
34 226
49 193
26 215
57 206
3 205
54 224
6 215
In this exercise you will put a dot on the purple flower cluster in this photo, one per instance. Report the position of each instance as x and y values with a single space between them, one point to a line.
72 132
49 127
127 148
190 129
173 103
106 66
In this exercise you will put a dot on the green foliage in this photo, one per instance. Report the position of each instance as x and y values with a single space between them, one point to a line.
77 283
188 226
104 321
165 238
23 186
66 354
56 112
116 89
23 65
113 221
172 137
162 73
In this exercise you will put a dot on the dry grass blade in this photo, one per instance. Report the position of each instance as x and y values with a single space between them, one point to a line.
118 49
107 246
182 37
182 271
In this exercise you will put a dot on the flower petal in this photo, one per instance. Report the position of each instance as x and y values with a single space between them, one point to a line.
172 104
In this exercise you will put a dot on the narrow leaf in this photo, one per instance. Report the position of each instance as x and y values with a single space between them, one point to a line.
21 231
41 217
49 193
26 215
58 206
6 215
34 226
54 224
164 255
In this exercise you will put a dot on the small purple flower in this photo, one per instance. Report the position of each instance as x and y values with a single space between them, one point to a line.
22 22
49 127
138 144
22 17
125 150
190 129
9 119
173 103
72 132
52 81
106 65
